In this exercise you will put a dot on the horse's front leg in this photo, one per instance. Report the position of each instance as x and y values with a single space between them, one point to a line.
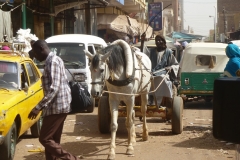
144 100
130 125
114 126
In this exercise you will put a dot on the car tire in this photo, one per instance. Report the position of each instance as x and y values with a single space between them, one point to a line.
7 149
36 128
208 99
90 109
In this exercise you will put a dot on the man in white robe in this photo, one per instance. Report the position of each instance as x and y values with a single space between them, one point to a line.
162 61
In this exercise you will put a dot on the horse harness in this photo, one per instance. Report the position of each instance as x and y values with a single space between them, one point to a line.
131 78
125 81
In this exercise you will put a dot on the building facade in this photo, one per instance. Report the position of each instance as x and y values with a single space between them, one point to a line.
227 11
51 17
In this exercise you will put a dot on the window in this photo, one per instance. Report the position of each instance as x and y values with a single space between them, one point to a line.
33 76
205 60
90 49
98 47
8 75
24 81
8 67
71 53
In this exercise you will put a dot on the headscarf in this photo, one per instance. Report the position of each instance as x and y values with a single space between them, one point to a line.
233 65
164 41
161 37
184 44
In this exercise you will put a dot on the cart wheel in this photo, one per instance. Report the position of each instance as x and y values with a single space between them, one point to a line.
104 116
177 115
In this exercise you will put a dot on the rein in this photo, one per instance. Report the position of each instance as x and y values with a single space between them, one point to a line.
128 79
104 91
98 82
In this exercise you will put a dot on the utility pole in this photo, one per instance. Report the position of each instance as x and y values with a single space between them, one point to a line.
225 21
24 15
215 28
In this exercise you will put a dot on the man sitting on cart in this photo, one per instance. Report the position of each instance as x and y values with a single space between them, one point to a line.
163 61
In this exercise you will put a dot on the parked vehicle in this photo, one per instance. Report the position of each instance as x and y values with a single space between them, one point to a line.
201 64
70 48
237 42
20 91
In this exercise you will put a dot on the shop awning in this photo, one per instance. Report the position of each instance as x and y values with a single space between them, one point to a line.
123 24
186 36
119 23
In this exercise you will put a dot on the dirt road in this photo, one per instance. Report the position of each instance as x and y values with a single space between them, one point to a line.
81 137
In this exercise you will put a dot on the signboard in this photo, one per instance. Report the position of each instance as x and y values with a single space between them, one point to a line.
155 15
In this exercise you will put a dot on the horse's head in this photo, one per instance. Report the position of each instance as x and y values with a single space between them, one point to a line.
99 72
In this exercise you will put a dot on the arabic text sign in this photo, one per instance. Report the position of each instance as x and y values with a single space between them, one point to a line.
155 15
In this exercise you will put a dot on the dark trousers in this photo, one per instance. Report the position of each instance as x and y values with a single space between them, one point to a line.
50 137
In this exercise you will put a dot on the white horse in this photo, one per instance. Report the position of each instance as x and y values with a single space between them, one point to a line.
126 73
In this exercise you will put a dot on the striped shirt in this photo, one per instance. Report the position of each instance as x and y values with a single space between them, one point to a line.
57 94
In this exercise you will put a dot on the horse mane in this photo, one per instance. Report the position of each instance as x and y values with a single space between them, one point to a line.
116 59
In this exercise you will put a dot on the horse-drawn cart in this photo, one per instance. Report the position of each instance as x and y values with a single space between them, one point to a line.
172 110
128 78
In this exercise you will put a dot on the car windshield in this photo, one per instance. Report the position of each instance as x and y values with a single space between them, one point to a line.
8 75
72 54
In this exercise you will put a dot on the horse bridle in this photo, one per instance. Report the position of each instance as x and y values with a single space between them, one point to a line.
103 77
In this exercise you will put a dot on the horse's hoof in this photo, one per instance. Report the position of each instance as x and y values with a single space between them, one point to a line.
111 156
145 138
130 151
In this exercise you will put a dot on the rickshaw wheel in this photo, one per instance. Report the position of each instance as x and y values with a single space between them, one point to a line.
177 115
104 116
208 99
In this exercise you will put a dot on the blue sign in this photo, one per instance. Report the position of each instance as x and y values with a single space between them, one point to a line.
121 1
155 15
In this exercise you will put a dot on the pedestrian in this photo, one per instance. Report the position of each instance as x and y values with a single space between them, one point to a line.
55 103
162 61
184 44
232 68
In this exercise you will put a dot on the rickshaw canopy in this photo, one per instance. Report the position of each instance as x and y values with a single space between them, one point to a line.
204 57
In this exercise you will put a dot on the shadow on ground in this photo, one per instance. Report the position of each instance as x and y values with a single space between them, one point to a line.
201 105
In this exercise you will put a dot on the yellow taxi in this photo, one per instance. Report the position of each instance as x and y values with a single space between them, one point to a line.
20 91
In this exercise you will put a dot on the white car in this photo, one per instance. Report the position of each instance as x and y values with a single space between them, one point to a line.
70 47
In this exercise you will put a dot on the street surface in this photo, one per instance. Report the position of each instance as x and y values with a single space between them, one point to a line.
81 137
